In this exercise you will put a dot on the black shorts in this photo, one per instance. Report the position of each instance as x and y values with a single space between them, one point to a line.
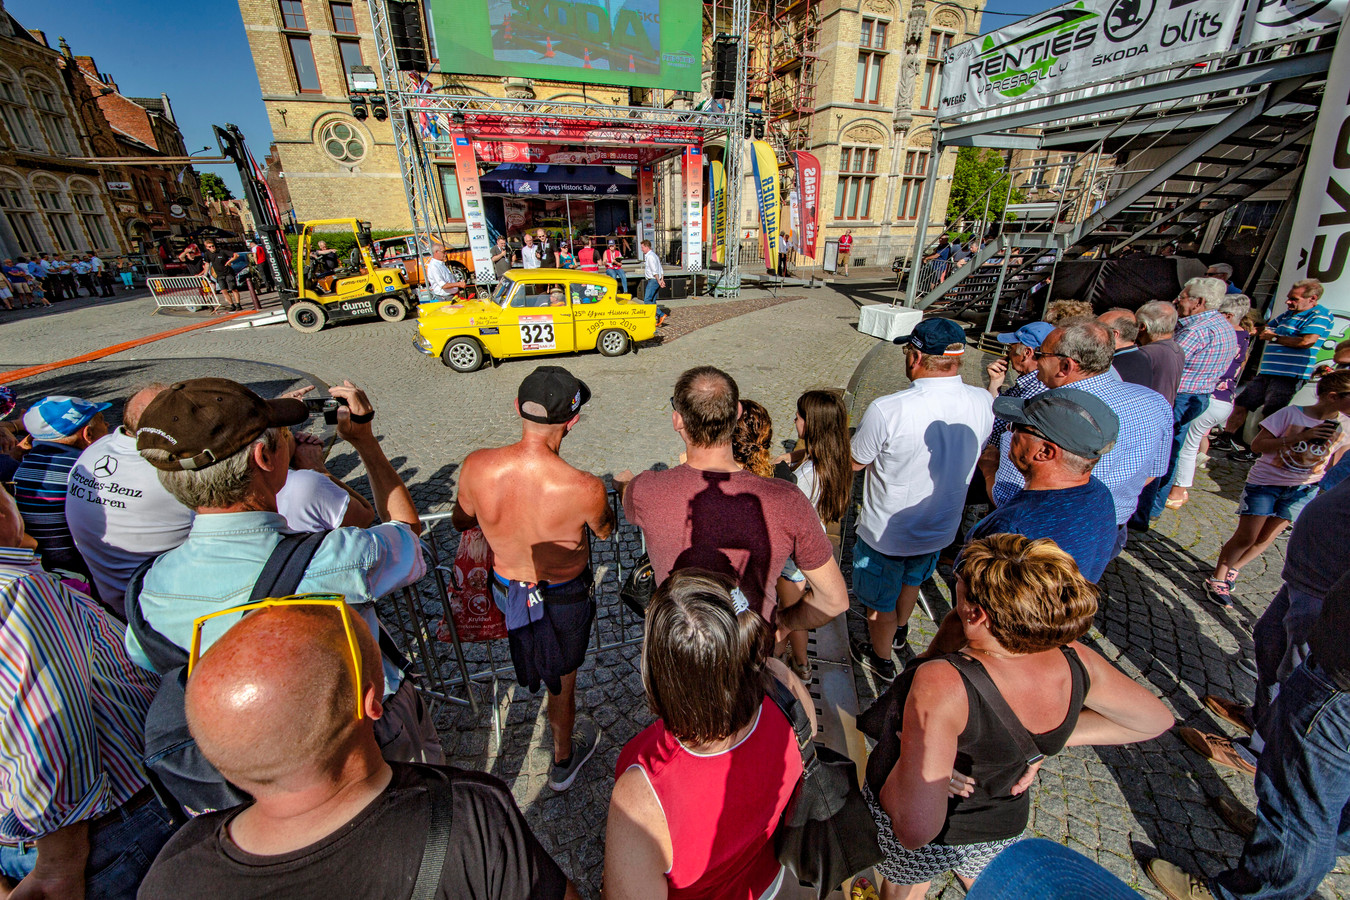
227 282
556 645
1268 392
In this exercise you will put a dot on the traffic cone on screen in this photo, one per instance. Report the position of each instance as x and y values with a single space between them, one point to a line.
507 36
632 64
548 48
586 58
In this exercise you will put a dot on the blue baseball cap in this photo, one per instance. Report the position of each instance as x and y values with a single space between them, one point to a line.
934 336
56 417
1029 335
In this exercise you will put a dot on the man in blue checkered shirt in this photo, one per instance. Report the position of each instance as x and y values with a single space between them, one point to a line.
1080 354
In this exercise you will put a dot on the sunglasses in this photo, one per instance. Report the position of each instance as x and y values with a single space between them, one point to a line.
1038 353
1019 428
336 601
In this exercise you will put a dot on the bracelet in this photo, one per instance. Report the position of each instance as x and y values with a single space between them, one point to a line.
363 418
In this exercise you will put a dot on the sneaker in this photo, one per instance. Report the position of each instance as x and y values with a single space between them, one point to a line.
1232 575
1217 749
1219 591
1176 882
1239 715
1244 455
585 738
1226 443
902 655
1235 815
864 655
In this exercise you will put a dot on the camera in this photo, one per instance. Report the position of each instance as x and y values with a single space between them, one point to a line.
326 405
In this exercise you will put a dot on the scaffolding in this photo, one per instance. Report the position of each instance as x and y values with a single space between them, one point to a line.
794 62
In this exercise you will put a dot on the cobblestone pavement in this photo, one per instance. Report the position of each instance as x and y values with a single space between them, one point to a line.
1109 804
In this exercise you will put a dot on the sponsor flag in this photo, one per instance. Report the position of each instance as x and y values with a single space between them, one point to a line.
646 205
765 163
717 199
808 192
426 121
1084 42
1319 241
692 172
471 201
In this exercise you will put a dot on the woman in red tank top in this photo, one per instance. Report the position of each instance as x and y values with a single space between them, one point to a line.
699 792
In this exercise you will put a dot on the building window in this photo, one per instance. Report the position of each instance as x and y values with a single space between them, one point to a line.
293 14
302 59
18 119
911 184
344 20
51 115
16 207
1038 169
873 34
939 42
450 194
350 52
342 142
1065 173
871 40
857 172
52 199
90 208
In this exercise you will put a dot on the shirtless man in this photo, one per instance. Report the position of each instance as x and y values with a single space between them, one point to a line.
533 509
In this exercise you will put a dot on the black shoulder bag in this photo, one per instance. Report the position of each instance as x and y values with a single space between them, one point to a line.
827 834
639 586
440 795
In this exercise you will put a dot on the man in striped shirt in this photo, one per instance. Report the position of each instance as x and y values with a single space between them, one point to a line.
61 428
1287 361
77 816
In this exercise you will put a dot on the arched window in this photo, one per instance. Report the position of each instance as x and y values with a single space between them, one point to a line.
18 119
51 113
89 206
21 216
51 197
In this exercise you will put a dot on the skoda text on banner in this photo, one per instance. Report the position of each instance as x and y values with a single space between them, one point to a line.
765 164
693 209
717 211
1319 241
647 205
808 188
475 217
1081 43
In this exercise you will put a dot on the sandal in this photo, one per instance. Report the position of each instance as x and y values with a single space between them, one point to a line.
1177 503
1218 591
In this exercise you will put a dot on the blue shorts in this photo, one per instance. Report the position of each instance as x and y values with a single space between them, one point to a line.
1278 500
878 578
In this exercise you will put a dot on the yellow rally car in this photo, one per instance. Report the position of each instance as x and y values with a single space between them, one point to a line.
535 312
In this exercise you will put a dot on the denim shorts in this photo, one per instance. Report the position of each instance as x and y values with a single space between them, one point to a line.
878 578
1279 500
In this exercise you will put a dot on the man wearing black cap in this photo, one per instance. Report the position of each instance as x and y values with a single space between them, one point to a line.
533 509
225 452
1057 438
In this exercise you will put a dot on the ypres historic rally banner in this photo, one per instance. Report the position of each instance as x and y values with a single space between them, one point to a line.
471 200
1081 43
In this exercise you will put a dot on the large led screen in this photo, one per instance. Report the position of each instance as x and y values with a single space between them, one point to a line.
638 43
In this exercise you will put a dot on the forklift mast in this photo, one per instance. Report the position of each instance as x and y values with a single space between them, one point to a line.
271 232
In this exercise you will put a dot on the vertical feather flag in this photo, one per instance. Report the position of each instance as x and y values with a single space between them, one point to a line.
717 195
766 186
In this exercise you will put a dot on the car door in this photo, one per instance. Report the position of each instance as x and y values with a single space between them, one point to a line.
541 323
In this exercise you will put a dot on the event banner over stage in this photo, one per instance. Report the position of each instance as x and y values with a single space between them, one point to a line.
1081 43
634 43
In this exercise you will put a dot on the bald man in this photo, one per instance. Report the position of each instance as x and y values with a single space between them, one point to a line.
273 705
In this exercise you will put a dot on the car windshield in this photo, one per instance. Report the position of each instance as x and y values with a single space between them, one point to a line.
503 291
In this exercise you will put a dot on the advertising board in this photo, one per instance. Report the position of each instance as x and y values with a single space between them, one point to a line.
634 43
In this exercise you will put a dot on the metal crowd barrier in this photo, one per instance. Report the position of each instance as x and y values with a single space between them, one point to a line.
446 669
190 292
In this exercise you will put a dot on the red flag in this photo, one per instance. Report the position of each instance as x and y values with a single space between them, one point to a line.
808 189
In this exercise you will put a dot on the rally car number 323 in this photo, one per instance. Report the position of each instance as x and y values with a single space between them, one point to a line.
536 333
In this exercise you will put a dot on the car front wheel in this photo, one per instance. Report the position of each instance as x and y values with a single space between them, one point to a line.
463 354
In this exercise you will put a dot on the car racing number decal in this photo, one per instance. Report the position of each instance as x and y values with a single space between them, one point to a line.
536 333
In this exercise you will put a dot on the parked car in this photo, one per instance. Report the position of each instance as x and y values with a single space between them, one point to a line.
401 252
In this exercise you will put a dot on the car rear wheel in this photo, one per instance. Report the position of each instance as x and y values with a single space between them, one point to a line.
306 316
463 354
393 309
460 273
612 342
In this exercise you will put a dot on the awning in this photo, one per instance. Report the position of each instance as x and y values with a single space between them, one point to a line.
560 181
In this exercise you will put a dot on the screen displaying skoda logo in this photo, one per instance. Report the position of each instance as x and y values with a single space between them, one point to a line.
1126 18
105 467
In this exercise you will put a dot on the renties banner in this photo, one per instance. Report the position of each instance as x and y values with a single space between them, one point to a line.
1081 43
766 188
471 200
808 192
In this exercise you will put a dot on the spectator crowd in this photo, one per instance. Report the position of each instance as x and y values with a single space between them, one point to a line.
201 699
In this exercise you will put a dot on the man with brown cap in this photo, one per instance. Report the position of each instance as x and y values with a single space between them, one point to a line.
225 452
533 509
284 705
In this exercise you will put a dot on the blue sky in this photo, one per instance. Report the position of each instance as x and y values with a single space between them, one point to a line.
198 55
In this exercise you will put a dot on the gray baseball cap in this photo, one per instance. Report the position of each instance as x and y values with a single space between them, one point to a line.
1075 420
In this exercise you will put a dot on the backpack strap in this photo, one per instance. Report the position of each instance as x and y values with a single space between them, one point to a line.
440 796
978 677
163 653
285 568
787 701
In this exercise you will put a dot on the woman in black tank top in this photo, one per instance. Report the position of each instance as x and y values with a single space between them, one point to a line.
1020 689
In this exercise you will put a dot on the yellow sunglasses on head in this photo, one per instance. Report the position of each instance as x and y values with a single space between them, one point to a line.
336 601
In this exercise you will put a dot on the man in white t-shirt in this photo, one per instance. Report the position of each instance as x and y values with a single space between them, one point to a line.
919 447
444 285
120 515
529 253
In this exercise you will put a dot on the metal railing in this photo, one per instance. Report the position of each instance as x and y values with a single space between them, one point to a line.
190 292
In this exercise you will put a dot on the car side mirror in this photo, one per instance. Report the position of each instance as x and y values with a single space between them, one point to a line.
370 288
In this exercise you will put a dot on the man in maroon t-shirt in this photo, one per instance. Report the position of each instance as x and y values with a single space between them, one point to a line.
710 513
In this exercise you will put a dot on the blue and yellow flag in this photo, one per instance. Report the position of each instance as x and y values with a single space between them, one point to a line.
766 186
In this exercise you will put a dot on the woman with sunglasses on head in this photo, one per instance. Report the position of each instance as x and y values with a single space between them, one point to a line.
963 734
700 791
